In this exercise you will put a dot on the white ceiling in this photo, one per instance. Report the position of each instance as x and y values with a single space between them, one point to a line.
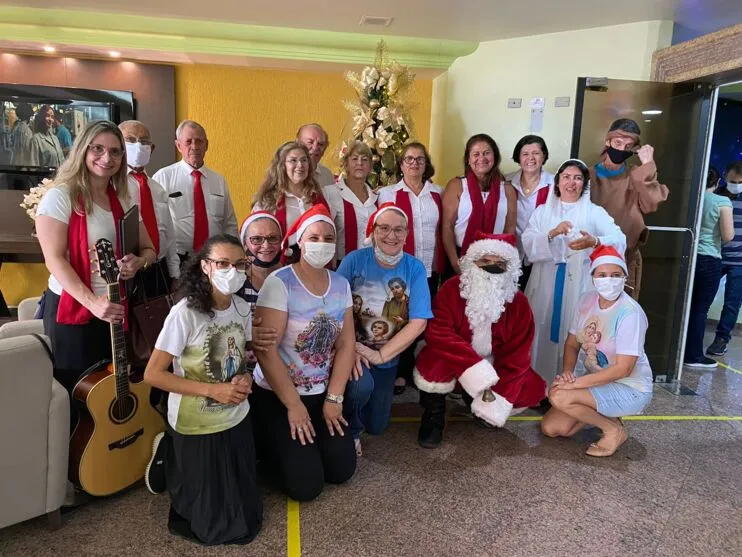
473 20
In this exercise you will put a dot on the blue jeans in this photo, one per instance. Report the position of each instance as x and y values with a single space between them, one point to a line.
732 301
368 400
705 285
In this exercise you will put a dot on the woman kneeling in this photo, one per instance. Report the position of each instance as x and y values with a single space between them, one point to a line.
612 377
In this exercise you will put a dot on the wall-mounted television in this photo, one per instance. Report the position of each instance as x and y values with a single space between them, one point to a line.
39 124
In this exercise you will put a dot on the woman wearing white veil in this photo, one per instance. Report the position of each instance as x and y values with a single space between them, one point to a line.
558 241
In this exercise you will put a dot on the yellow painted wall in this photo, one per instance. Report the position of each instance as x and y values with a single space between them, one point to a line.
247 114
476 88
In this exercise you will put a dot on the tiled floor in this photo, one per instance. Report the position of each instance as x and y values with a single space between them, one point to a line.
674 489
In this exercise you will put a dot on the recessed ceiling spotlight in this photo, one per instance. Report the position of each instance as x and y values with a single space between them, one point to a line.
114 54
651 112
647 120
49 49
376 20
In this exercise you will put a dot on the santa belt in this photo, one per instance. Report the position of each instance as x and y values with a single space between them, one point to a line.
556 309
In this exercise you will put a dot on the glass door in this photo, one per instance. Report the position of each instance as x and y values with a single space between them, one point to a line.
675 120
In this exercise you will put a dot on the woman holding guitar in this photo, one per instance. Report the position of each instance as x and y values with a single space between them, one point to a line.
208 452
88 199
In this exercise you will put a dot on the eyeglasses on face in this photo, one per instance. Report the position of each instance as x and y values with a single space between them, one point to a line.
224 264
295 161
260 240
132 139
385 230
413 160
100 150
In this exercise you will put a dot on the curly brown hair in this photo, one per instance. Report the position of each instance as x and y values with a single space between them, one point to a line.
276 181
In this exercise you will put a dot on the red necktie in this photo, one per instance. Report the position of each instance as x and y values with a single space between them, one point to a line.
201 221
148 210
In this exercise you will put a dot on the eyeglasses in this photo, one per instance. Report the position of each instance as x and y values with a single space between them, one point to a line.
385 230
413 160
136 140
100 150
260 240
302 160
224 264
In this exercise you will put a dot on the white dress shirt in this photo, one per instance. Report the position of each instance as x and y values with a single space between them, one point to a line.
527 204
323 175
164 222
425 217
335 195
465 208
178 183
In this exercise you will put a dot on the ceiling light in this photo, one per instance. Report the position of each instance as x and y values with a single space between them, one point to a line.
647 120
651 112
114 54
49 49
376 20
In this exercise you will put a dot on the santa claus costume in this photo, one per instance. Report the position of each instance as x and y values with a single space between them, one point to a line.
480 336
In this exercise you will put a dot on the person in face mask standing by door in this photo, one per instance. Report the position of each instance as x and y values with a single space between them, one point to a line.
626 192
153 209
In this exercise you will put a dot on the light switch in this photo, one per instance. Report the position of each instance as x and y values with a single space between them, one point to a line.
514 103
561 102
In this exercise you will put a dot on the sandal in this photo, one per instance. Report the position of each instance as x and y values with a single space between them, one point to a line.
596 450
359 450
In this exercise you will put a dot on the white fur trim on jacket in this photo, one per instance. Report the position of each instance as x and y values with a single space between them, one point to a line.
495 413
479 377
430 387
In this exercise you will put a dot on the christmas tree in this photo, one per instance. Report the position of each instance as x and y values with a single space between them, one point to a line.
381 114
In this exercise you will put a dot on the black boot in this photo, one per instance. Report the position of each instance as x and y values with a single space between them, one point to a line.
433 420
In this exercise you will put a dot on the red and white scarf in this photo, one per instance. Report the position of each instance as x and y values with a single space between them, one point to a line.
402 201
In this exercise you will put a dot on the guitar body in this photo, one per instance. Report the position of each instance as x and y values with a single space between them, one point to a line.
112 443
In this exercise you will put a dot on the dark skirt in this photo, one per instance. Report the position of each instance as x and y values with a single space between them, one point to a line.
212 481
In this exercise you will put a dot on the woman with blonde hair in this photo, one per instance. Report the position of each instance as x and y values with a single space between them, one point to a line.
351 199
289 187
86 203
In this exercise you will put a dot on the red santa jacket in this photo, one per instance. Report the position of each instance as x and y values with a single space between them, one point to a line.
448 355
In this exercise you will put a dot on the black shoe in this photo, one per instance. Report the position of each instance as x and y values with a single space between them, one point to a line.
704 363
433 420
717 348
154 475
543 407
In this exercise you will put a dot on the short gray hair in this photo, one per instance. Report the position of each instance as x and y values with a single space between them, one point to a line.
188 124
126 123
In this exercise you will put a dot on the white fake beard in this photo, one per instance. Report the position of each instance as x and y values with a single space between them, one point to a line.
486 295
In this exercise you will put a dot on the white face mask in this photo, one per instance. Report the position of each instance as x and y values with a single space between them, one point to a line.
318 254
228 281
735 188
609 288
387 259
137 155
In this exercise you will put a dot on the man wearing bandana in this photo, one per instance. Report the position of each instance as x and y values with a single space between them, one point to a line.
626 192
480 337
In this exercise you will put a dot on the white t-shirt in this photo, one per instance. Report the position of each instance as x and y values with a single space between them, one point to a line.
314 324
208 350
604 333
56 203
465 210
336 195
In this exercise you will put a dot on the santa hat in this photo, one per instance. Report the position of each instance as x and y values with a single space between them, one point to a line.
503 245
252 217
318 213
388 206
603 255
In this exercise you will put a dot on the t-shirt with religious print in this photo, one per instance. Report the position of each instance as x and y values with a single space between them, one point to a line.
604 333
314 324
209 350
384 300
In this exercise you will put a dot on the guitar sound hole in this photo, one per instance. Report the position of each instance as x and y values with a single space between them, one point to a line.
122 409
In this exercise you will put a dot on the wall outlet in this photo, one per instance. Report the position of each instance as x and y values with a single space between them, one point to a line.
514 103
561 102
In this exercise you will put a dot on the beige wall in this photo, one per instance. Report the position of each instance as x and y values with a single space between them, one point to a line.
472 96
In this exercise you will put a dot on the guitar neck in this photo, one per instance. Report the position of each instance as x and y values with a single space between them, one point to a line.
118 347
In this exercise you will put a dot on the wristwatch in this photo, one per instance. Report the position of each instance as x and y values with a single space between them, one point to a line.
337 399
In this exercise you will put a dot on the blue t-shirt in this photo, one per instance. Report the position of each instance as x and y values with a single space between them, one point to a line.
65 137
709 236
384 300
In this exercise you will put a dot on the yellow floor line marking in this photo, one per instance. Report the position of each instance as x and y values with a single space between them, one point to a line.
293 529
413 420
729 368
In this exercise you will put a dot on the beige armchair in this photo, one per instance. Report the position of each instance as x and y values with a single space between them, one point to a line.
34 428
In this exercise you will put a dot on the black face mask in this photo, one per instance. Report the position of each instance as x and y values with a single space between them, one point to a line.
262 264
617 156
494 269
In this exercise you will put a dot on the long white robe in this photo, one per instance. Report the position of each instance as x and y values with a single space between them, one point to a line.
546 356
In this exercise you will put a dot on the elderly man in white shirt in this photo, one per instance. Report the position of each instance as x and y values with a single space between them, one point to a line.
200 204
153 207
316 140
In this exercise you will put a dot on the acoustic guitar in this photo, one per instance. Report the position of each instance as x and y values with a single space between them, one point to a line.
112 442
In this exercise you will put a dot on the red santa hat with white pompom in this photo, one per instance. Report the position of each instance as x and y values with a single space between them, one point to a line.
603 255
384 207
317 213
